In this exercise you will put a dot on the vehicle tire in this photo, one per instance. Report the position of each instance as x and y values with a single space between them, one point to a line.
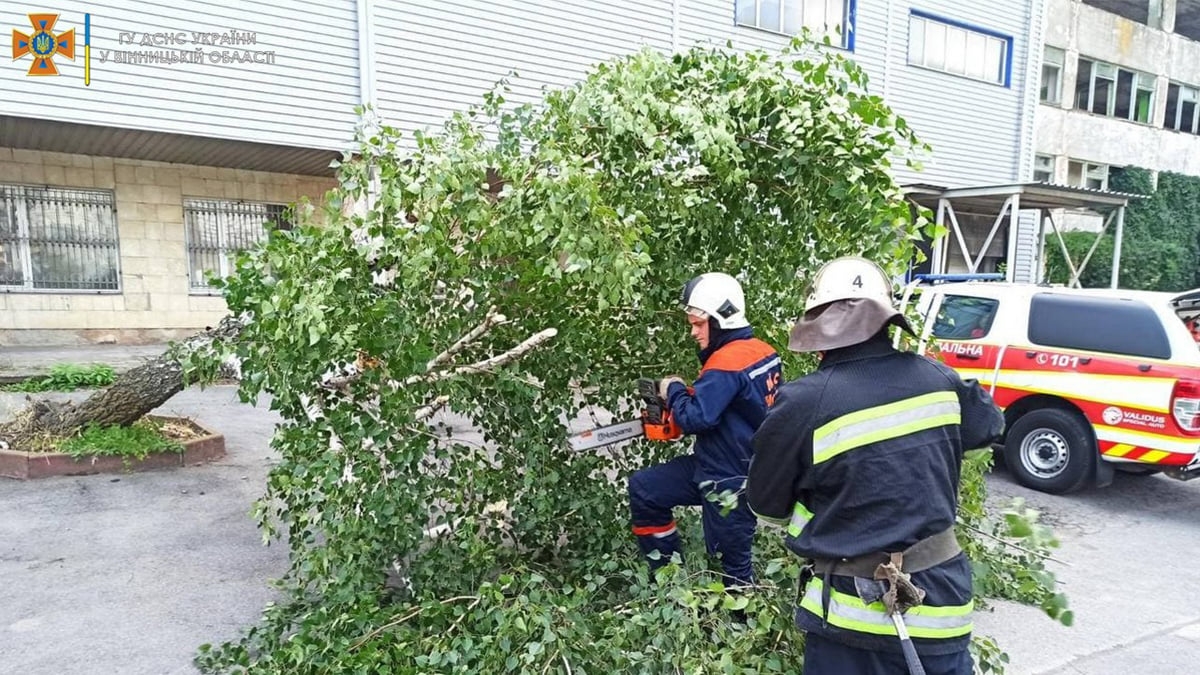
1051 450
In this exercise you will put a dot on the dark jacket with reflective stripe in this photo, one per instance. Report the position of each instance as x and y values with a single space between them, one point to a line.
871 444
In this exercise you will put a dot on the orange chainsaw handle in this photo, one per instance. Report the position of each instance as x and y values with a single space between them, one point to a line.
657 421
667 430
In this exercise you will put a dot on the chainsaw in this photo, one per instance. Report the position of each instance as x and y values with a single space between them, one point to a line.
655 423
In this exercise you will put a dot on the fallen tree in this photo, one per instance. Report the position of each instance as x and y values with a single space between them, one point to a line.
132 394
521 259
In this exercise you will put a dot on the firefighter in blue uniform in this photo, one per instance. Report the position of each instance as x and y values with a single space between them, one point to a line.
860 461
722 408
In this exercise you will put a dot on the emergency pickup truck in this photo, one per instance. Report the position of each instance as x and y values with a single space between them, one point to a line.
1090 380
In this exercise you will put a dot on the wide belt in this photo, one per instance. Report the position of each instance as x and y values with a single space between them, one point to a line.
926 553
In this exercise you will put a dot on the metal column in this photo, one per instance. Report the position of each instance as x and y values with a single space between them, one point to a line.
1116 266
939 245
1013 225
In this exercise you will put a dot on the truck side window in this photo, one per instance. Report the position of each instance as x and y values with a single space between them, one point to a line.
964 318
1108 325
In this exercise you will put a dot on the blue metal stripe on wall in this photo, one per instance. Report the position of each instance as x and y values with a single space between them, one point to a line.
851 24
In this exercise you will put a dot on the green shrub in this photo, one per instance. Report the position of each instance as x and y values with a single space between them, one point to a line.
133 442
67 377
1160 249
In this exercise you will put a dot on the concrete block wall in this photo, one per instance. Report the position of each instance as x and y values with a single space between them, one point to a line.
155 302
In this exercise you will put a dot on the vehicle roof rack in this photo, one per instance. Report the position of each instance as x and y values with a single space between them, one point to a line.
955 278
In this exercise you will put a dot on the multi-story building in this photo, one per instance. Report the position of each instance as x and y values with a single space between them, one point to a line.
177 131
1120 86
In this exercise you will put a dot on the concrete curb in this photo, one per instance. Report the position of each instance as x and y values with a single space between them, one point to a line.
23 465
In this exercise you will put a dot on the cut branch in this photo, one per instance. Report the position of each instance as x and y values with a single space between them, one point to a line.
493 318
396 622
486 365
425 412
1012 545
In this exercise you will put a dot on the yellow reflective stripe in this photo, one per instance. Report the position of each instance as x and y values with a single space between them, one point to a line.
851 613
1119 450
920 610
884 422
800 517
1145 439
1153 456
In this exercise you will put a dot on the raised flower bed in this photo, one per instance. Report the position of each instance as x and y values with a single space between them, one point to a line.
196 445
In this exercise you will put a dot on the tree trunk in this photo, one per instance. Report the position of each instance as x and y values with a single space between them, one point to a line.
130 396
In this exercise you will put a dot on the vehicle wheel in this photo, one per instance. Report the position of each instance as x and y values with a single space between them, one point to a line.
1051 450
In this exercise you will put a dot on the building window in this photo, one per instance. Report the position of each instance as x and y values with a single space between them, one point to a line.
1187 20
216 231
1183 108
1052 67
1105 89
956 48
1087 175
58 239
1134 10
823 17
1043 168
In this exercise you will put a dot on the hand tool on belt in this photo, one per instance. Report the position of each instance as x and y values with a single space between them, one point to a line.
886 577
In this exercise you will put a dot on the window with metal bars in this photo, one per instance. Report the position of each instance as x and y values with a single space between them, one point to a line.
217 230
54 238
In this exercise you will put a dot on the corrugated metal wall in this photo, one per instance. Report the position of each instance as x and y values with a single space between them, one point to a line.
1027 268
974 127
304 96
435 57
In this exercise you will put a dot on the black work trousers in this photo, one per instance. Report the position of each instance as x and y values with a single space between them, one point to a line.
823 656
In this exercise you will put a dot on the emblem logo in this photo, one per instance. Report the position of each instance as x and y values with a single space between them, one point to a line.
43 44
1113 416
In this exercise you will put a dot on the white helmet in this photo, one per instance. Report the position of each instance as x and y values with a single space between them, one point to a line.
718 296
848 278
849 303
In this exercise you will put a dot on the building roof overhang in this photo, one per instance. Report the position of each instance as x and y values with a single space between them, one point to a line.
1034 195
102 141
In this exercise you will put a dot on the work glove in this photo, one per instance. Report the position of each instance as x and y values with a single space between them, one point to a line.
665 384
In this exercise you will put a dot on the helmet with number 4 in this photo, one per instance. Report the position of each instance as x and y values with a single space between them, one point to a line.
850 302
848 278
717 296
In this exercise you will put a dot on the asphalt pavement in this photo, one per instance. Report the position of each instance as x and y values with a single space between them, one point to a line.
130 574
1130 578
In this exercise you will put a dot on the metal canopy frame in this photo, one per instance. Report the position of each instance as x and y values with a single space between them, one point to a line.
1007 202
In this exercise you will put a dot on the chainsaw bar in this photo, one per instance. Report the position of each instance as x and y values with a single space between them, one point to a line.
601 436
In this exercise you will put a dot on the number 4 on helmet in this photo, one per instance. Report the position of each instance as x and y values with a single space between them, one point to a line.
655 423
